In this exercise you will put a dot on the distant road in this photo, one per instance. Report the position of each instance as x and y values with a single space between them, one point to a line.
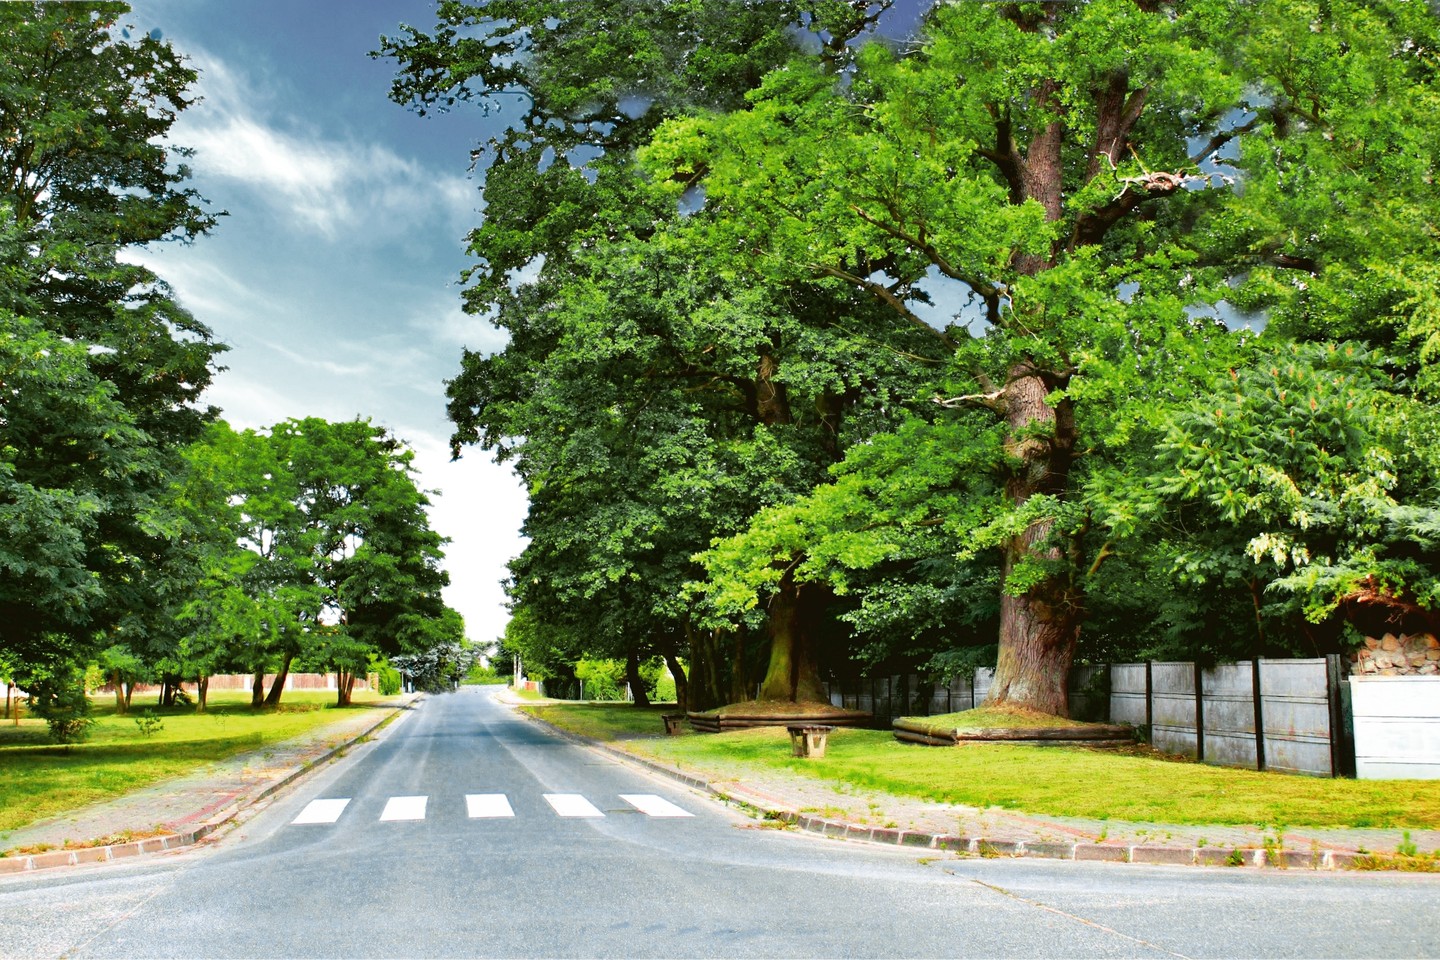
468 831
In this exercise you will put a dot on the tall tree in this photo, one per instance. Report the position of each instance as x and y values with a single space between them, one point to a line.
633 341
115 366
1043 158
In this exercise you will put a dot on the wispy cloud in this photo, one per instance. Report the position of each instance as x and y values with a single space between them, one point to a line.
330 186
445 323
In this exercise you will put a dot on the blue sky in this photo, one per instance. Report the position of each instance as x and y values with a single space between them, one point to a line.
334 277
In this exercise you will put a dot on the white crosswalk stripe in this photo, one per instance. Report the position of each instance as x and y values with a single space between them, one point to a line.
322 811
653 806
486 805
404 808
490 806
572 805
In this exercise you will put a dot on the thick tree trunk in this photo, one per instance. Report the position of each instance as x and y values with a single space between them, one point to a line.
202 692
682 692
637 682
794 672
704 688
740 685
257 689
120 703
1037 647
1040 627
344 687
277 686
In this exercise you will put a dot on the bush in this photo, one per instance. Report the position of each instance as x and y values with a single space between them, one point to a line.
602 679
387 679
62 703
484 675
664 690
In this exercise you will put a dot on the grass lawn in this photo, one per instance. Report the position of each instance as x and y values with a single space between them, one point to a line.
1130 784
41 779
983 718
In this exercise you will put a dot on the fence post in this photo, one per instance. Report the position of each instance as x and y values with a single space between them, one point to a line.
1337 714
1258 693
1199 713
1149 700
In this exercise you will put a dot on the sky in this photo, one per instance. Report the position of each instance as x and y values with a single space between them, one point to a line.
334 276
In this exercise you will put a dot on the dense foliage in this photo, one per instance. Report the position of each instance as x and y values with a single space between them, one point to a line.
715 242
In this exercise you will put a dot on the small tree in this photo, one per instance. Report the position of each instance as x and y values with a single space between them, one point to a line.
61 701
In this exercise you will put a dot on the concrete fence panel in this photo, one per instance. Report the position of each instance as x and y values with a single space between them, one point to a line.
1296 705
984 677
1173 726
1229 713
1128 694
1397 727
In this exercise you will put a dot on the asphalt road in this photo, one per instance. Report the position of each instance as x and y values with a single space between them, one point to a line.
408 877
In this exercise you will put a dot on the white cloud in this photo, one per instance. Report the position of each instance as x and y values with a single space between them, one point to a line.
205 286
247 404
480 508
447 323
322 362
330 186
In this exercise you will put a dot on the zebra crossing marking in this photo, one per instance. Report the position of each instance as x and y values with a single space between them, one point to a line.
653 806
572 805
322 811
486 805
404 808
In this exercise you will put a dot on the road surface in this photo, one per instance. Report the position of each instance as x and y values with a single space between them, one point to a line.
467 830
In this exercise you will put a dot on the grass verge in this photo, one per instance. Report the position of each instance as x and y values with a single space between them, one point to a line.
44 780
1123 784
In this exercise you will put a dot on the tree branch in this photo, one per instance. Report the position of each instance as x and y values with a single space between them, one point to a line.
886 296
990 401
930 251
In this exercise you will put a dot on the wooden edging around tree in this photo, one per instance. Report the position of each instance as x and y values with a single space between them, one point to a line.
916 731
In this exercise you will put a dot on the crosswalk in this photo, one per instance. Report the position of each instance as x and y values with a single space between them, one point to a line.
490 806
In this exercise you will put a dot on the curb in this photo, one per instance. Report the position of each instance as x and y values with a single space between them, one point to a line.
987 847
185 838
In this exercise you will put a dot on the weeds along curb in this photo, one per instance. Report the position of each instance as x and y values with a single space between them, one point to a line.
987 847
185 838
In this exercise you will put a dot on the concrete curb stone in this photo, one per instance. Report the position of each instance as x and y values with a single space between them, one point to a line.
189 837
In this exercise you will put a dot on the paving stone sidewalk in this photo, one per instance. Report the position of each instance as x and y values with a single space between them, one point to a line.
838 810
179 812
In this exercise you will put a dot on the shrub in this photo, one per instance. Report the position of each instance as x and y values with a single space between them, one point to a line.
387 680
602 678
148 723
62 703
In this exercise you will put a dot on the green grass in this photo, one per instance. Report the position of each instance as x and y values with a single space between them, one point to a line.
605 721
43 780
1130 784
